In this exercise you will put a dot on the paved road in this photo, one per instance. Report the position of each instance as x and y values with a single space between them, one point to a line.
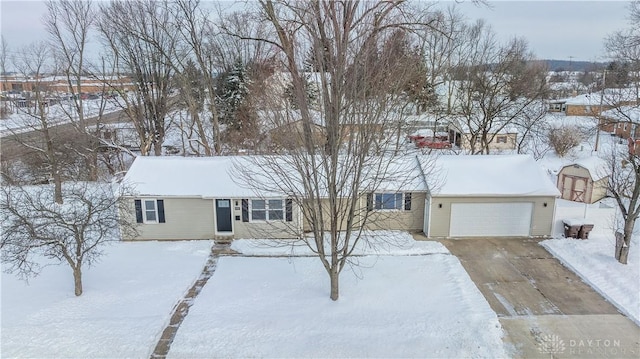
544 308
12 149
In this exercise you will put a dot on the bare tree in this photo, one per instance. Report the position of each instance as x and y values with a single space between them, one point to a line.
70 24
137 33
565 138
361 93
73 233
495 86
624 187
441 49
35 60
624 183
4 48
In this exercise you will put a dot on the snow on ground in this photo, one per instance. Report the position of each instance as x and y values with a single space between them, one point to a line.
390 306
372 243
128 298
593 261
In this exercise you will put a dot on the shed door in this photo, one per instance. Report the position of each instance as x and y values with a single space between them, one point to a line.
574 188
491 219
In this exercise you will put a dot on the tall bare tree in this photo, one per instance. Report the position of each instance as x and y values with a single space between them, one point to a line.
624 183
137 34
70 25
4 57
33 116
624 187
361 92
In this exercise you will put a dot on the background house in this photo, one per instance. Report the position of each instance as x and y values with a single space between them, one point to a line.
622 121
504 139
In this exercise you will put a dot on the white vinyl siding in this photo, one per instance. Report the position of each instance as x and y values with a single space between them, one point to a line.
491 219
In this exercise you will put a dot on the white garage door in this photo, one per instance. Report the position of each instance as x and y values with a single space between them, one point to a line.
490 219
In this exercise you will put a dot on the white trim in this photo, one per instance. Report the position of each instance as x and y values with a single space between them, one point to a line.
427 216
144 210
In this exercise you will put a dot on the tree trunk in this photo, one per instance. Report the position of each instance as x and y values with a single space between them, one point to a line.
624 249
335 277
157 148
77 280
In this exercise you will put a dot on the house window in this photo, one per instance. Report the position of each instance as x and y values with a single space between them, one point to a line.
501 139
388 201
624 128
267 210
149 210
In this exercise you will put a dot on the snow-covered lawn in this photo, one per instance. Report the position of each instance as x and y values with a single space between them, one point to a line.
127 301
594 262
417 301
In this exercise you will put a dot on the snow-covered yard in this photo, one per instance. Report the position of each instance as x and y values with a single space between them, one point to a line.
594 262
412 301
416 301
127 302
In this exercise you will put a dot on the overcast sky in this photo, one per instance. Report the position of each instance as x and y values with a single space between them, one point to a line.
555 29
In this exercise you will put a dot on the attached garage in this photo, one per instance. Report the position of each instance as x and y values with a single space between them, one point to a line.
489 196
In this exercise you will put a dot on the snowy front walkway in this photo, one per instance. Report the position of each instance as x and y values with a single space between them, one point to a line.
412 301
181 309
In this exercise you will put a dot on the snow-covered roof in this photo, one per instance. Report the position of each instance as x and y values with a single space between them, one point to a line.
589 99
221 176
624 114
597 167
610 95
491 175
184 177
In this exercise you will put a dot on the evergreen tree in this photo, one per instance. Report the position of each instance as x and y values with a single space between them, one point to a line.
232 90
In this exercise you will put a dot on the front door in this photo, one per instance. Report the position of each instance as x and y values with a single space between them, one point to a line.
223 215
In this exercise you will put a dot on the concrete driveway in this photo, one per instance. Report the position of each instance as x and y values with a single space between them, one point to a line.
545 309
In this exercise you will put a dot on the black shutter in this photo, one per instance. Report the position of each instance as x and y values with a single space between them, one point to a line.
407 201
161 211
369 202
289 210
245 210
138 210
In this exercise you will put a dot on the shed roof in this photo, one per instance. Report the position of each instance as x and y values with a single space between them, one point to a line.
485 176
597 167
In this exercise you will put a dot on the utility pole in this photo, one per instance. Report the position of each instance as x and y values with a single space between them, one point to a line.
571 63
604 81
